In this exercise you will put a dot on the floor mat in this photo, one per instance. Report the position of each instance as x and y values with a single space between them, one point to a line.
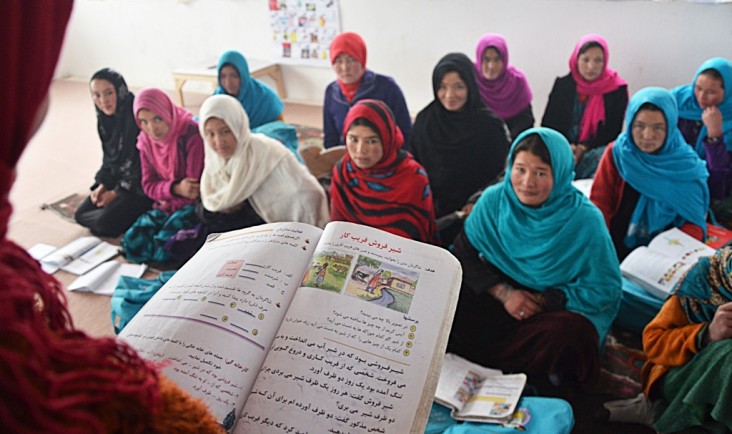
66 207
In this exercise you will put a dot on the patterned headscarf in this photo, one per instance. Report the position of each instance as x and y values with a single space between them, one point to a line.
393 195
706 286
608 81
53 377
119 131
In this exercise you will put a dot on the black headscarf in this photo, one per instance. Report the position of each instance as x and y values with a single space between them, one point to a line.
462 151
118 133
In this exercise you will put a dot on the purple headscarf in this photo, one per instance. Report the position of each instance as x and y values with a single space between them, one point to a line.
510 92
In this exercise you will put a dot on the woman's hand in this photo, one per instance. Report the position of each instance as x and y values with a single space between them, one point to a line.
712 118
94 196
721 326
188 188
578 149
105 198
519 303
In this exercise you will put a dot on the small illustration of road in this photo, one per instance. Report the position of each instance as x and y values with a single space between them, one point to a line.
385 300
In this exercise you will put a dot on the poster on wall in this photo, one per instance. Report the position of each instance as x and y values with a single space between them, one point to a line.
303 29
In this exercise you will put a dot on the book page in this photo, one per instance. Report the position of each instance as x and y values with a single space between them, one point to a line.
459 379
214 321
362 343
658 267
71 251
103 279
92 258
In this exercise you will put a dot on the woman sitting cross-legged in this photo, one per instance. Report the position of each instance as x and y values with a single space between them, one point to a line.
249 178
541 283
171 153
649 179
116 198
377 183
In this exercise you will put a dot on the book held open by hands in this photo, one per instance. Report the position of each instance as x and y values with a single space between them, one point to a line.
289 328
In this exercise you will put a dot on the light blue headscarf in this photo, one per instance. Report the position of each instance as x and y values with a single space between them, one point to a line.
689 107
561 244
672 182
259 101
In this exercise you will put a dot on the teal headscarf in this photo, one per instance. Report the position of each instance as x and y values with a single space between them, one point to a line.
561 244
672 182
689 107
706 286
259 101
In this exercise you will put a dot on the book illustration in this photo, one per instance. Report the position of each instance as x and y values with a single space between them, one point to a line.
304 357
467 387
328 270
383 283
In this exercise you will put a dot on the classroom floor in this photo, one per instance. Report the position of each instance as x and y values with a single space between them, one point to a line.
62 159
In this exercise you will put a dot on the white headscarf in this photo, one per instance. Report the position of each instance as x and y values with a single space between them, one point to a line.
261 169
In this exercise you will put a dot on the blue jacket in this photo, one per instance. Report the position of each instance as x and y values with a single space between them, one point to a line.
373 86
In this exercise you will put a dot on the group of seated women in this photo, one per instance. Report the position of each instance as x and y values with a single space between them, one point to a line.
541 282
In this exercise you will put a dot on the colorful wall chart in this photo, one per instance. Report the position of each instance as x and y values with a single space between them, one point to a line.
303 29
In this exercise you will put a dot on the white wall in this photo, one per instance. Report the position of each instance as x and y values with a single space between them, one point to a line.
651 43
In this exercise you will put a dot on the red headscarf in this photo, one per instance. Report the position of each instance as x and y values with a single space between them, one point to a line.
607 82
53 378
352 44
393 195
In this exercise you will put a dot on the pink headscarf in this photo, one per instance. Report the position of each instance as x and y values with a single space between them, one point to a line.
164 152
607 82
510 92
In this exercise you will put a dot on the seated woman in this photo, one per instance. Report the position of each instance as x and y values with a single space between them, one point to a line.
504 88
689 347
116 198
587 105
705 120
260 102
171 153
532 299
460 142
249 178
649 179
377 183
355 83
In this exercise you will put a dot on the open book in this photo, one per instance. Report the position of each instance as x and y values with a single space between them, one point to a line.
103 279
77 257
658 267
285 327
476 393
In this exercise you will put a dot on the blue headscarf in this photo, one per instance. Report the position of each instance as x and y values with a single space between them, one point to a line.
706 286
561 244
259 101
672 182
689 107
